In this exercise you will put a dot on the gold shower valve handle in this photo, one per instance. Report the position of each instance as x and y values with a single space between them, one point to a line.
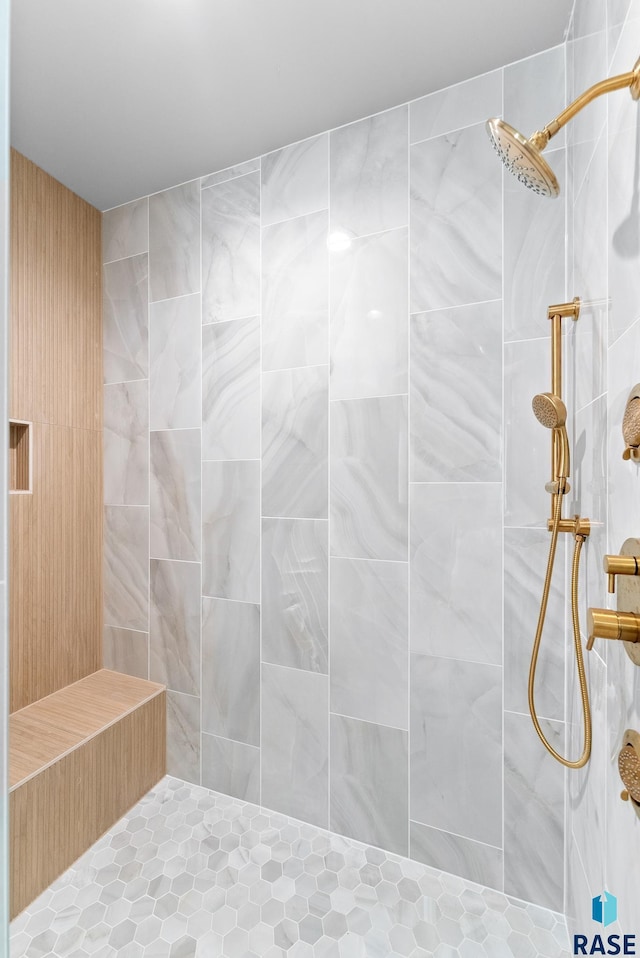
607 624
619 565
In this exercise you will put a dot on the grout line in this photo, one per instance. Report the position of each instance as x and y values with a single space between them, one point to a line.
444 831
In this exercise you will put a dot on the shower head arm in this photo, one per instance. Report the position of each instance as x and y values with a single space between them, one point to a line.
624 80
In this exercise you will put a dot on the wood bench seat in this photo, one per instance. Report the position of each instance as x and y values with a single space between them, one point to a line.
78 760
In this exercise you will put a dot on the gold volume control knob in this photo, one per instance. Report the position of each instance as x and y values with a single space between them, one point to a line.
607 624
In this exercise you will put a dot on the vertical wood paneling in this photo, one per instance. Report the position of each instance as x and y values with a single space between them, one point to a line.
55 383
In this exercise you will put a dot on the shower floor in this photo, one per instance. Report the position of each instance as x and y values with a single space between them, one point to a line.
188 872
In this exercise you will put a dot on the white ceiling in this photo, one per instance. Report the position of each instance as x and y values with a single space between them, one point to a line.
119 98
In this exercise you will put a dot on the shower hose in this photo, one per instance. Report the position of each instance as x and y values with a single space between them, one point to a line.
582 678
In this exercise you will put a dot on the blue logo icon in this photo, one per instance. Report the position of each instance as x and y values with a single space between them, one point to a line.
604 908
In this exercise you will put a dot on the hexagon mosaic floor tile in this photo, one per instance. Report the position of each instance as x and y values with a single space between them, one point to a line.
189 872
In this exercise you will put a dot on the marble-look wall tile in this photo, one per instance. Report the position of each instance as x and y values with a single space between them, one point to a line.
370 640
622 113
174 241
534 260
175 625
125 230
231 249
586 64
295 593
126 567
231 390
588 18
456 205
295 306
175 494
369 174
369 783
533 813
589 498
462 104
183 737
534 91
368 468
456 571
623 478
231 530
456 394
231 768
231 670
528 444
126 443
456 742
125 319
230 173
525 562
456 855
175 360
125 650
624 240
294 443
369 317
295 180
295 742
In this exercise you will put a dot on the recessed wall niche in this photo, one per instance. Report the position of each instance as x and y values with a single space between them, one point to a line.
19 456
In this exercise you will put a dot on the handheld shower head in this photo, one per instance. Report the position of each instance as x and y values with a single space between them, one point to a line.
522 158
551 412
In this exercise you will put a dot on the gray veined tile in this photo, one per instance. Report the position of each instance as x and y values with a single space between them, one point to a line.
624 241
534 92
125 230
295 742
174 241
534 255
456 747
369 783
231 670
534 813
231 530
125 319
231 249
295 593
183 736
126 443
369 174
295 307
525 561
175 625
369 487
295 180
456 394
370 640
527 443
230 173
231 390
294 443
456 571
456 221
175 494
175 358
456 855
463 104
126 567
369 317
231 767
126 650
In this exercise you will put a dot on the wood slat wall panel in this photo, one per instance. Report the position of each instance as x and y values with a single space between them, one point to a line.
60 812
56 383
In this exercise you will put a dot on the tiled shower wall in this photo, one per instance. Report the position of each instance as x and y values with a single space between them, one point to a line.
603 833
309 474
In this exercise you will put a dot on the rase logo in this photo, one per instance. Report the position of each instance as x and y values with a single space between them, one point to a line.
604 910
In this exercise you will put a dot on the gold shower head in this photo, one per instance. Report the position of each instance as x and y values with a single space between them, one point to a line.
523 157
549 410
